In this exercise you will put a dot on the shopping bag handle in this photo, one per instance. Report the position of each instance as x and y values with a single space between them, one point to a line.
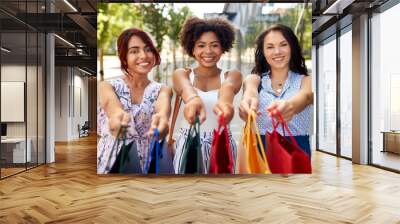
155 139
195 129
251 120
221 123
284 126
196 126
178 102
120 134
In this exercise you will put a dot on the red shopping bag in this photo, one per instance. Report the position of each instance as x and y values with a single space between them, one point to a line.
285 156
221 160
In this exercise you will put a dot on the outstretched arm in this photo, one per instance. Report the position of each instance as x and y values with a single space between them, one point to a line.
294 105
250 96
193 104
162 112
110 103
229 88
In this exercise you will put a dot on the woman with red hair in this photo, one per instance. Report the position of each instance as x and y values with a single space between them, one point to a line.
132 101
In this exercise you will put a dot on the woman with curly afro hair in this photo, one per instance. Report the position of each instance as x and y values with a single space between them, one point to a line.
207 91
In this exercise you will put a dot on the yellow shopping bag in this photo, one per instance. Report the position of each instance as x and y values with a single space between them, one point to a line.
249 158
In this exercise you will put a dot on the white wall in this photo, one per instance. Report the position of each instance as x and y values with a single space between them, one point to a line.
69 85
61 103
11 73
80 83
33 127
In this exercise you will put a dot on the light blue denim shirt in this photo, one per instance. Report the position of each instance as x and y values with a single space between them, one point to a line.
300 124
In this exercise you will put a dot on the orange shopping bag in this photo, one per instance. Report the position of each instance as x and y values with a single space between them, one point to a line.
249 158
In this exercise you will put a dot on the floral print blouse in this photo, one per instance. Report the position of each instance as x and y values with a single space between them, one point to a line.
139 125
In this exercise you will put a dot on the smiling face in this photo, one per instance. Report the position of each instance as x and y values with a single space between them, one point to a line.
140 58
276 50
207 50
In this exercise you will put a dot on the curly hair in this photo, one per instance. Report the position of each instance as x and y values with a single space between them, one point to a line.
194 27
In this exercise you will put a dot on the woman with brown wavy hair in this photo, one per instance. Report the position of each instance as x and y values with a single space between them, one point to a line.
133 101
279 85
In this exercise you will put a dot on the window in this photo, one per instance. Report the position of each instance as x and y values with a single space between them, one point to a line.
346 74
22 64
327 96
385 88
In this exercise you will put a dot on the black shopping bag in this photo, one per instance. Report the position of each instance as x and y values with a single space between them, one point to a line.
127 160
192 157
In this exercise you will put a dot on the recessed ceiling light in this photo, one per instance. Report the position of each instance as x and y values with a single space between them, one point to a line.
86 72
5 50
337 7
70 5
65 41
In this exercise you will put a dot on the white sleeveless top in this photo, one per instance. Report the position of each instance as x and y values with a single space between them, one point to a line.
209 99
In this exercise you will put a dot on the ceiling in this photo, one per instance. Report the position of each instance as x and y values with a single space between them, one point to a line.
74 22
329 15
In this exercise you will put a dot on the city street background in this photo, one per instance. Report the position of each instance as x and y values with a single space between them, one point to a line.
249 19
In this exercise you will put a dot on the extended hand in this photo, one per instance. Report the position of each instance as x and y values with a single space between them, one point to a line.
224 108
193 108
161 123
284 107
246 105
117 120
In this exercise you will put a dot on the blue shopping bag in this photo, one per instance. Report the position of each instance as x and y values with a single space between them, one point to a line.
160 159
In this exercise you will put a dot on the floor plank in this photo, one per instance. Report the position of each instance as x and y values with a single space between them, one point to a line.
70 191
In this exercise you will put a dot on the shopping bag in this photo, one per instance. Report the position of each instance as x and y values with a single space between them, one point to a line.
221 160
192 159
242 166
285 156
160 159
127 161
250 158
171 141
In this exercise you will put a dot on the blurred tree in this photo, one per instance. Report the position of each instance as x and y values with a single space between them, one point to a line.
175 22
254 29
157 25
112 20
289 17
103 36
294 17
306 32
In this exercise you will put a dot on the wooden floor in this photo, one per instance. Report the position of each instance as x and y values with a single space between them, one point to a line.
13 170
10 171
70 191
388 159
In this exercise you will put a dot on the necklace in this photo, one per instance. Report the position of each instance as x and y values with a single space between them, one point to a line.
279 90
278 87
278 82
